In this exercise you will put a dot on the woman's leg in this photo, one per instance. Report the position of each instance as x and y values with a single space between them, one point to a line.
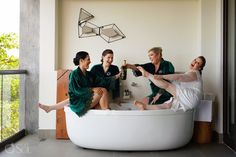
143 106
95 101
104 101
154 99
60 105
100 98
140 105
159 82
144 100
169 87
159 107
97 94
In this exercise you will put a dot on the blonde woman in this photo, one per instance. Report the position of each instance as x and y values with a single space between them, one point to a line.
156 66
186 88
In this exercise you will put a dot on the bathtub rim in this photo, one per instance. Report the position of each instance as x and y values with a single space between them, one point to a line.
164 112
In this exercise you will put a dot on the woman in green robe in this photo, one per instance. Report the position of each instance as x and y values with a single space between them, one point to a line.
86 90
107 69
157 66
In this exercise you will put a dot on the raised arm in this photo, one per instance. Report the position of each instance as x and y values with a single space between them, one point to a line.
130 66
186 77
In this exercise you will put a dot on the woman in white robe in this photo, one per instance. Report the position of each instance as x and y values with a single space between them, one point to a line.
186 88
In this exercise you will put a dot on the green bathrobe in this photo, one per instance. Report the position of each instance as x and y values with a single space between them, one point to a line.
166 67
80 89
112 71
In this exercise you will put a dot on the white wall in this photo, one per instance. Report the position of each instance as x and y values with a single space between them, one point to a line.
212 49
176 25
47 85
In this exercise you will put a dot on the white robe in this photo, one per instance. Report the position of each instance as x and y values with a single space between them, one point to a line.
188 94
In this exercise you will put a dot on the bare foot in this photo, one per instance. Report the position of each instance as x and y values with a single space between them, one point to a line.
140 105
45 107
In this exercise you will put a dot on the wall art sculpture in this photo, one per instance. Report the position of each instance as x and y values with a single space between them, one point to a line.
109 33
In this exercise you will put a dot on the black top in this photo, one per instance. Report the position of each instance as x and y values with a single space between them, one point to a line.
166 67
112 71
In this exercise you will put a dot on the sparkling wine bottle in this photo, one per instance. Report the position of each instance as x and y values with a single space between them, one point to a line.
123 71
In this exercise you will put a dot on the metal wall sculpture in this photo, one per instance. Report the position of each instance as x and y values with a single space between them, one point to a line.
109 33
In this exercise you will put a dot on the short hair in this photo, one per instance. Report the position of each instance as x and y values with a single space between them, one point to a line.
80 55
156 50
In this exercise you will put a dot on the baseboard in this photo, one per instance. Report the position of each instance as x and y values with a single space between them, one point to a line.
216 137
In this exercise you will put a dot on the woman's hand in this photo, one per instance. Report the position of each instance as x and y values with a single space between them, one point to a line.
155 98
144 72
124 65
117 75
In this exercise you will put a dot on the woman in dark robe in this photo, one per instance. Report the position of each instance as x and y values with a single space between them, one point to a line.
157 66
107 69
86 90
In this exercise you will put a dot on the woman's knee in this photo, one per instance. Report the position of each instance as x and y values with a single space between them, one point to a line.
97 91
100 91
104 91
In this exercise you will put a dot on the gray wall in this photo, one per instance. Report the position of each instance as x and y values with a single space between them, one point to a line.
29 59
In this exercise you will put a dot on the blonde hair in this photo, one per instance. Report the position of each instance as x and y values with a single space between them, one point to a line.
156 50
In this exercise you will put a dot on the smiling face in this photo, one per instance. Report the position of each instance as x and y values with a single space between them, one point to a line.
107 59
155 58
84 63
196 64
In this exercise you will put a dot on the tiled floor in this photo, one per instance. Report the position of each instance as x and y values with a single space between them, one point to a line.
33 146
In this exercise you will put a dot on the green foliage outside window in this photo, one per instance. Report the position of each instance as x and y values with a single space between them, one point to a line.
9 87
8 42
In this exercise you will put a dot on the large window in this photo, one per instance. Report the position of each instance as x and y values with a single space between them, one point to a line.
11 79
9 34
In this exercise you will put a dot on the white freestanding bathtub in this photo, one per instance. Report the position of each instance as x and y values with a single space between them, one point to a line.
130 130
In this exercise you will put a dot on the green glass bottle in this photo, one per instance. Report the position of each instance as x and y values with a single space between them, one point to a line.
123 71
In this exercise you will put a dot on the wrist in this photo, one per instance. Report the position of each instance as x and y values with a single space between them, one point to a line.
150 76
114 77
